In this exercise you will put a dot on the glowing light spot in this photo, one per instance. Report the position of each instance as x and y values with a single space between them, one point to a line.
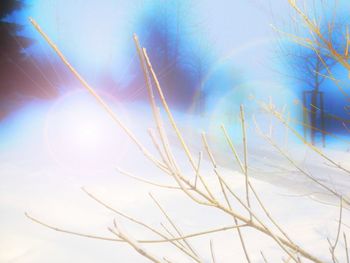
81 136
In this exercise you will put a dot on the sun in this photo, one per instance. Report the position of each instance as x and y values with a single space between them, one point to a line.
79 134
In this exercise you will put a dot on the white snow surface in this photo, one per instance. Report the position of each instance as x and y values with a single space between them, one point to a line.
42 172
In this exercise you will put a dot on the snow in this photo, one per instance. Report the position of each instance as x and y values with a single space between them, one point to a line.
47 184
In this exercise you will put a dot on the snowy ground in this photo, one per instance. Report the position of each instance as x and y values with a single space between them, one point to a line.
42 170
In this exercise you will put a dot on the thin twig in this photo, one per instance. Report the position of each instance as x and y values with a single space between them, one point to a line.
232 147
263 256
145 241
147 181
212 251
74 233
346 248
245 150
334 246
200 156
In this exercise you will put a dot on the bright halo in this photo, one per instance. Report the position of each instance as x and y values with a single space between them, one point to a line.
80 135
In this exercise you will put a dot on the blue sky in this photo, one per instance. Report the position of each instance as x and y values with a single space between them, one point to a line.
96 36
98 33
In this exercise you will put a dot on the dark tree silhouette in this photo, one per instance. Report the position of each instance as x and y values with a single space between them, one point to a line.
166 30
11 56
21 76
199 61
310 68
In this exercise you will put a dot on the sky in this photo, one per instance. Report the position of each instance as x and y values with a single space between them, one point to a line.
239 34
101 38
96 37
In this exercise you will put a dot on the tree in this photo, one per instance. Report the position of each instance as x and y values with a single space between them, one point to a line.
166 28
310 67
10 51
21 77
199 62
